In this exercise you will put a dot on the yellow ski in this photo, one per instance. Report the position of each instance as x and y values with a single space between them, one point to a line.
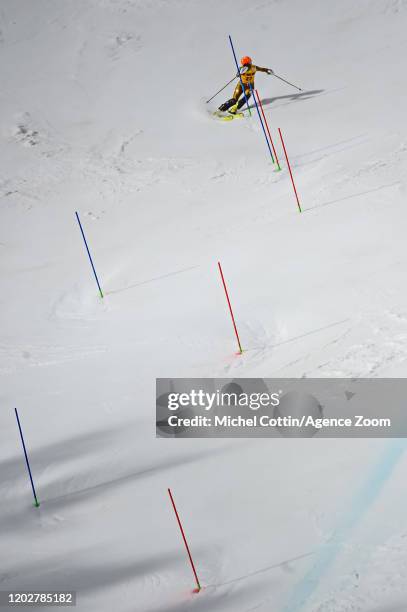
229 117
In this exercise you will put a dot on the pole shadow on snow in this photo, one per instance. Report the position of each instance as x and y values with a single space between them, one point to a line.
350 197
109 486
358 140
300 337
303 95
328 151
59 494
77 571
285 565
58 452
19 512
150 280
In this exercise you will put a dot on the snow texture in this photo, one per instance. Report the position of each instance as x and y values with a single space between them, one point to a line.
103 111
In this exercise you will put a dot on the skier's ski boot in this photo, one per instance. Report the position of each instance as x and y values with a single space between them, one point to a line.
226 105
233 109
242 102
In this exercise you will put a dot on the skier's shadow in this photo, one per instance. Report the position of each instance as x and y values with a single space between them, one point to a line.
304 95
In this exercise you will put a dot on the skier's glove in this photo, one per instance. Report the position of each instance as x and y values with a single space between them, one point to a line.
270 71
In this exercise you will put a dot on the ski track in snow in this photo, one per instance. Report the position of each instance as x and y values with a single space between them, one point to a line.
351 517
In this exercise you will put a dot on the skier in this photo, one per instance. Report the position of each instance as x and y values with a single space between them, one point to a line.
246 74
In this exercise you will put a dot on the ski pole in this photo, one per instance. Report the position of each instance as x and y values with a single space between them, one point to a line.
288 82
224 87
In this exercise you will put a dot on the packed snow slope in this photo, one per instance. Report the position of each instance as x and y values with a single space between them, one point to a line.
103 112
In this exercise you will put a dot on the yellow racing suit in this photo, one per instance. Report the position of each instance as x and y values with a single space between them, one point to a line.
247 78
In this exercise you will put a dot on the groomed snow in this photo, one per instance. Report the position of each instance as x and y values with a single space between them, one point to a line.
103 112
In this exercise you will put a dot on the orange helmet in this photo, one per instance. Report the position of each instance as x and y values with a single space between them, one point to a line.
246 60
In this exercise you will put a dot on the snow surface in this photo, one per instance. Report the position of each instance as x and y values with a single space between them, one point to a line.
103 111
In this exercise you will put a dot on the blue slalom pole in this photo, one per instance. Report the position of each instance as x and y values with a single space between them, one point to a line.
238 71
261 121
90 257
26 459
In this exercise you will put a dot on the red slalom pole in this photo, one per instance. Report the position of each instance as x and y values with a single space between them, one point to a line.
289 167
230 308
267 127
185 542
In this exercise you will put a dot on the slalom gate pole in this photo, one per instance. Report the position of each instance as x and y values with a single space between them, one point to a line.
289 168
240 78
90 257
261 123
230 308
224 87
288 82
186 543
268 130
26 459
